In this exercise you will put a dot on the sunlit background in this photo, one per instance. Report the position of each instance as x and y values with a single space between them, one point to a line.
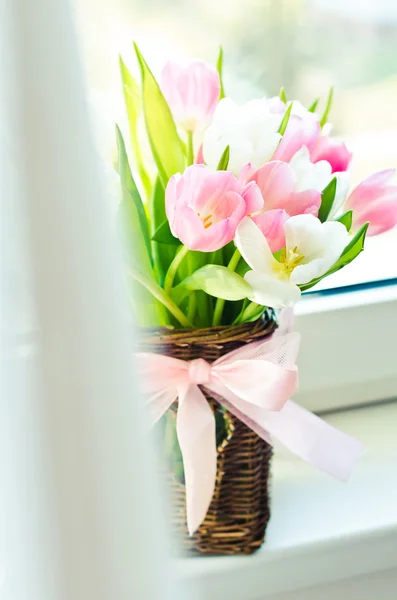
304 45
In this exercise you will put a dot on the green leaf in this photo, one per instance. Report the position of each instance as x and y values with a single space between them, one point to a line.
283 96
130 191
312 107
135 250
219 282
163 254
163 137
352 250
132 94
133 104
224 160
157 206
346 219
327 109
134 233
252 313
148 312
327 200
163 235
284 122
204 309
219 67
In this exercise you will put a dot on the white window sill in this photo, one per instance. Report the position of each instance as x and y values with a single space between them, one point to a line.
321 531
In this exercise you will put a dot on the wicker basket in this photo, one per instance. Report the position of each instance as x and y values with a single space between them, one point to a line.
239 511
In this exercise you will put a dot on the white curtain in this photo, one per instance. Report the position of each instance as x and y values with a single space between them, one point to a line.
79 506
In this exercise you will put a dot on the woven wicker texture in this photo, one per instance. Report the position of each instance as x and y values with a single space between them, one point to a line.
239 512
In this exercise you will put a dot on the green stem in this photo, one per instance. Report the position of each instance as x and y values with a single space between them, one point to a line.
220 303
192 302
190 149
172 269
160 295
192 307
237 320
234 260
248 313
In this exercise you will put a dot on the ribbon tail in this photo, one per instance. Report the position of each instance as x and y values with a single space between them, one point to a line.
314 440
197 440
159 403
301 432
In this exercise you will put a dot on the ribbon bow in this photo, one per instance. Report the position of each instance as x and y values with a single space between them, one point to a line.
255 383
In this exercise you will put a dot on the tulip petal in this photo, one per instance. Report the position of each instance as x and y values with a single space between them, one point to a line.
331 236
271 223
300 132
379 179
370 189
253 247
209 193
246 172
192 93
304 232
375 200
302 274
320 245
304 203
195 236
253 198
276 182
342 189
314 176
382 215
271 291
333 151
250 130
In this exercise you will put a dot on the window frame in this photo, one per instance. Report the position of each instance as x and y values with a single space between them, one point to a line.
347 356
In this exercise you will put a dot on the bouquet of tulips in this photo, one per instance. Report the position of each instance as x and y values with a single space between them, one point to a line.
241 209
245 207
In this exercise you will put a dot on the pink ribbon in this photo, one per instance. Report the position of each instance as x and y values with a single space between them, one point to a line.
255 383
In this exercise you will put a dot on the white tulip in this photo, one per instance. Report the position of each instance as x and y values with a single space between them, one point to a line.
250 130
316 176
301 111
311 249
308 175
342 190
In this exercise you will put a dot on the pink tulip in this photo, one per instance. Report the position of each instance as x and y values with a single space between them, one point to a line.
375 200
204 207
192 93
333 151
278 185
300 132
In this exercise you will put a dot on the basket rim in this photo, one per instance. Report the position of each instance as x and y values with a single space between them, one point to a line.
209 335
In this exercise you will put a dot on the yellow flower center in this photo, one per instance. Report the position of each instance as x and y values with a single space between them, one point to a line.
289 260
